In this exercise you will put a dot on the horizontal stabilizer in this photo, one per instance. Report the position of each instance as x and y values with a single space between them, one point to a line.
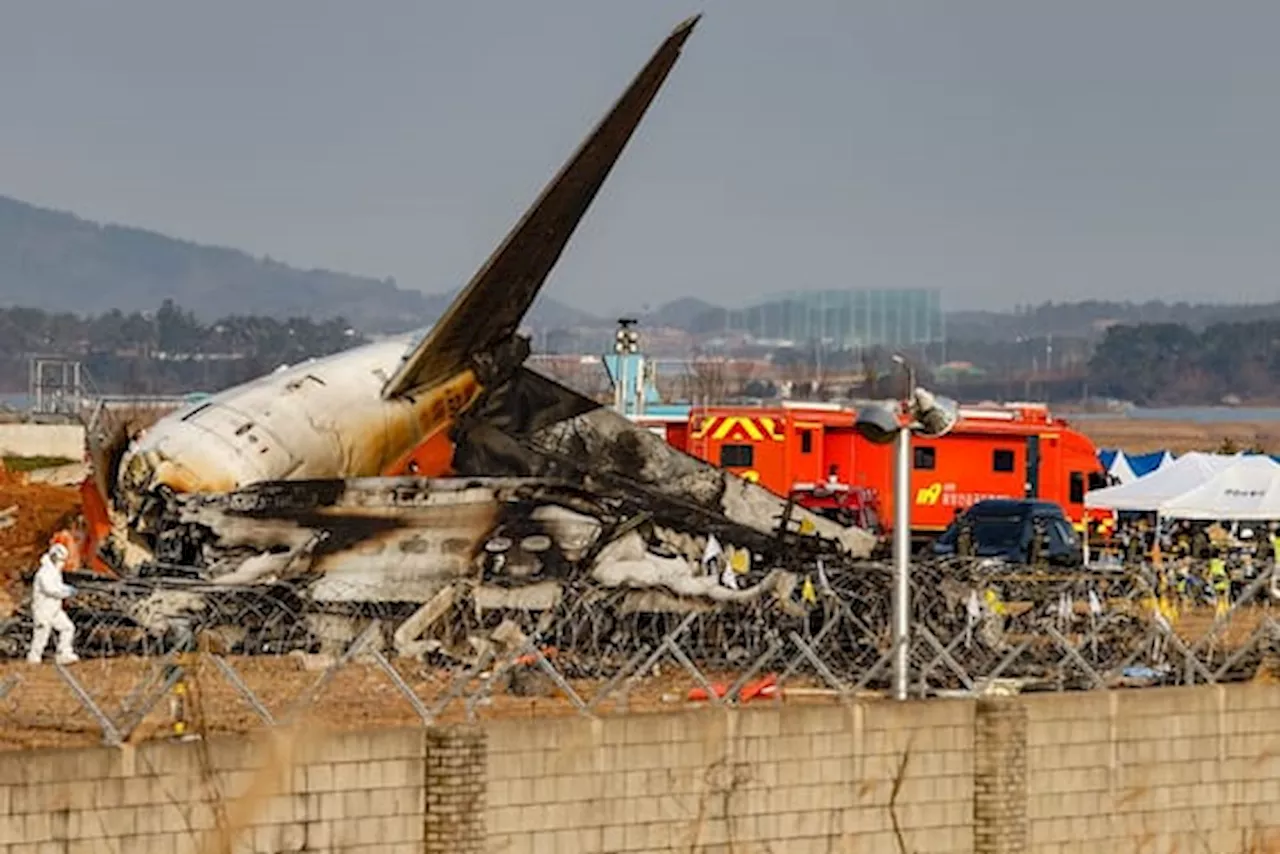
532 402
490 308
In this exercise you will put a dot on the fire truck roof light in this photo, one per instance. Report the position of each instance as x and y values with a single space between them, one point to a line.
816 404
990 414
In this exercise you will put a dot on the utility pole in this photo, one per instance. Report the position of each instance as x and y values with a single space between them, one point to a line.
929 416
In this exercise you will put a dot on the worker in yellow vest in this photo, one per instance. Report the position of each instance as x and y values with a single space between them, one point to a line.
1220 581
1166 598
1275 558
1182 543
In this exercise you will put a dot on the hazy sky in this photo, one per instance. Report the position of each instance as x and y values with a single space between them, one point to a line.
1002 151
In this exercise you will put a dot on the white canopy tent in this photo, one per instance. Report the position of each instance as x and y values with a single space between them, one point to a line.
1121 470
1247 490
1148 494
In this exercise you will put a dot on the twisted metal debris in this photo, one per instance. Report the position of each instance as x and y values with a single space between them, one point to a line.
243 654
972 622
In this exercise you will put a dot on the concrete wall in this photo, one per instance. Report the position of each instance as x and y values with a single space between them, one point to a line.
42 440
1175 769
797 779
1159 771
357 793
1165 770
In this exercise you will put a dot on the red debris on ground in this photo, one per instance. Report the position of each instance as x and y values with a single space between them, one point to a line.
40 511
763 688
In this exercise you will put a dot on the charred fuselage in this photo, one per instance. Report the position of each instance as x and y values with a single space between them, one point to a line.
280 479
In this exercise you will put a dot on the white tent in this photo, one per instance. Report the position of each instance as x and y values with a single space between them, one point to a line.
1249 489
1121 470
1149 493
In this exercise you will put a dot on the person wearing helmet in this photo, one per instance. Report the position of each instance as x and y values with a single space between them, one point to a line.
48 591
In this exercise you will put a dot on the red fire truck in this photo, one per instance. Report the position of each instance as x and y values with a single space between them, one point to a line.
812 452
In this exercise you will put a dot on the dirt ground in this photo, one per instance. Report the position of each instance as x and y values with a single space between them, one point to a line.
1139 436
39 510
40 710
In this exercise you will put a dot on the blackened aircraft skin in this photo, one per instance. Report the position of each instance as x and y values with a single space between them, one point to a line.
357 413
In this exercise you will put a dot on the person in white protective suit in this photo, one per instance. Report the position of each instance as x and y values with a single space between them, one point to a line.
48 591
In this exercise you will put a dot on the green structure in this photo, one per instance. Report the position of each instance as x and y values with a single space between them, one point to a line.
847 319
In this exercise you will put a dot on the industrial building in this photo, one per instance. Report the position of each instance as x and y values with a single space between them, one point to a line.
848 319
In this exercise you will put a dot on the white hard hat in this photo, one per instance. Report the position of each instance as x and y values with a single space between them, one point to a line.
1246 534
58 551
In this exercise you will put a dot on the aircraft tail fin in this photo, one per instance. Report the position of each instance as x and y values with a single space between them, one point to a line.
489 309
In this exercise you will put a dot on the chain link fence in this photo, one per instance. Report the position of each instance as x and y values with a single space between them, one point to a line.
175 661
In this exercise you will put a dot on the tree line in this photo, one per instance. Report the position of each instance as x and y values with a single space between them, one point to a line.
1149 364
1169 363
166 351
170 351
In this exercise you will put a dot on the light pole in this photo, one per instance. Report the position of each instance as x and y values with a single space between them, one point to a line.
625 343
928 415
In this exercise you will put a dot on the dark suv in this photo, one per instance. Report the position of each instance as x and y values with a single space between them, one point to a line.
1004 528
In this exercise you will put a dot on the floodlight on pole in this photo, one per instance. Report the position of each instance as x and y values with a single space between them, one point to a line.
929 415
625 342
901 361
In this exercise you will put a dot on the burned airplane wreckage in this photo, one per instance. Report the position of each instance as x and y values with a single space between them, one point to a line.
387 475
436 485
588 491
646 530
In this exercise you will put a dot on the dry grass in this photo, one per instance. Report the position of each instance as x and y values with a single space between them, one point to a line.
1139 436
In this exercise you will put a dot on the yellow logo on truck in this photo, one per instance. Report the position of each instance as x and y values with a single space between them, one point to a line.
929 494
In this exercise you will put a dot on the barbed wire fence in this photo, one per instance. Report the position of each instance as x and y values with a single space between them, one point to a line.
186 661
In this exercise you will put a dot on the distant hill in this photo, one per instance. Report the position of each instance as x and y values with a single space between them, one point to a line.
679 314
59 262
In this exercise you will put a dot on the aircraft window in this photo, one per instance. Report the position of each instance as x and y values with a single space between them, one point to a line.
244 428
925 459
1002 461
415 546
455 546
1076 495
737 456
806 441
